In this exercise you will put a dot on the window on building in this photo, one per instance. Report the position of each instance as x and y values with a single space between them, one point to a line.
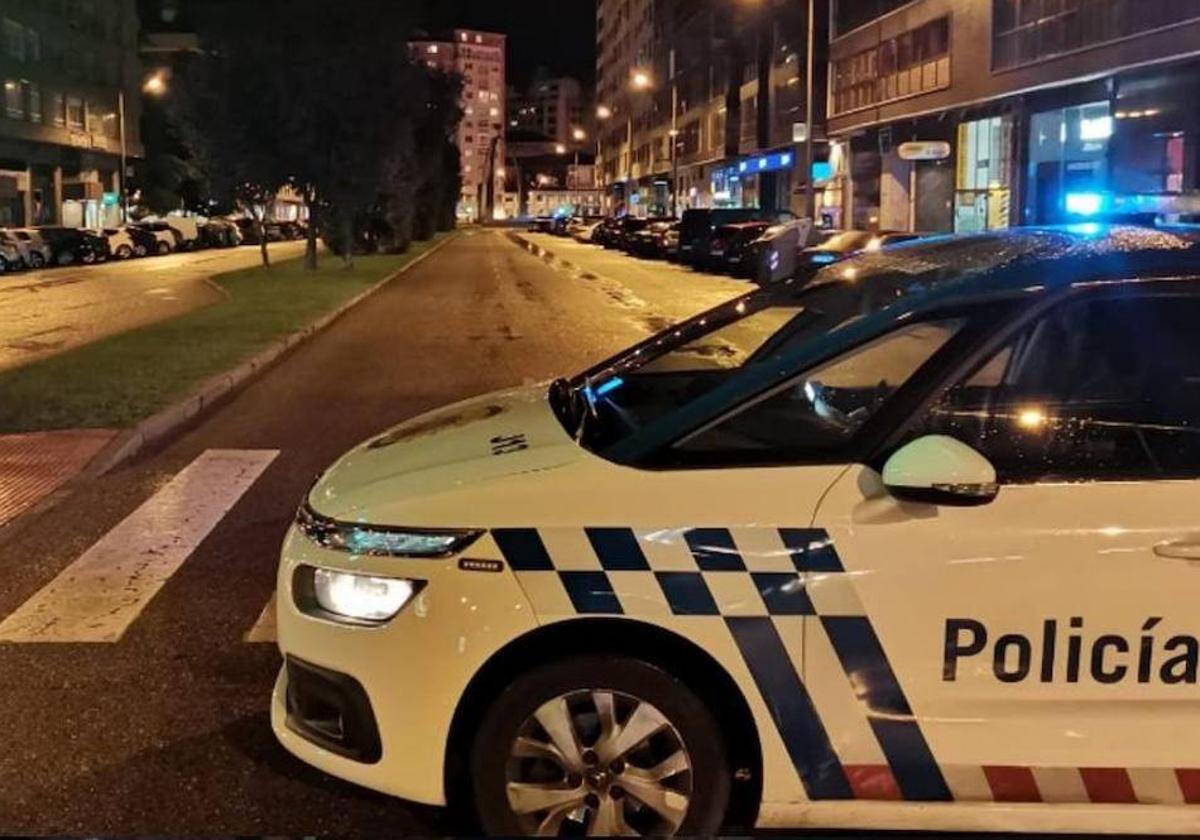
914 62
1026 31
58 109
14 40
75 116
1106 388
14 100
33 45
33 102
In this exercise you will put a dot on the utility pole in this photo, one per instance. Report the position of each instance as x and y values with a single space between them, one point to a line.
674 134
121 185
810 202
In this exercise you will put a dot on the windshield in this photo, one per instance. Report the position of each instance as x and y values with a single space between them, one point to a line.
673 369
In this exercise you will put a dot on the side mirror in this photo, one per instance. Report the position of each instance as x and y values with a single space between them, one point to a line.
940 470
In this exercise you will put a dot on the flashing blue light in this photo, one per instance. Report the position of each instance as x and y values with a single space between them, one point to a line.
824 259
743 166
1086 228
762 163
785 160
1085 204
609 386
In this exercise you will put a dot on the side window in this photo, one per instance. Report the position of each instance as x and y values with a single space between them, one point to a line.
824 409
1107 388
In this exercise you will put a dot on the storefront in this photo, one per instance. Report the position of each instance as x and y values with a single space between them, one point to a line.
984 181
745 183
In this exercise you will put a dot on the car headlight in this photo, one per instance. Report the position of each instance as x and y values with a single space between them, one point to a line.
351 597
382 540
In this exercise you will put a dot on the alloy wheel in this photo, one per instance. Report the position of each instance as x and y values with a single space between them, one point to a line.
601 763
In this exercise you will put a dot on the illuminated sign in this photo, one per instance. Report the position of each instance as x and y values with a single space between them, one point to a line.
924 150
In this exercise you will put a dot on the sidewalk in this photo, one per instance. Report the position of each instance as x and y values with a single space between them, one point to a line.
34 465
676 292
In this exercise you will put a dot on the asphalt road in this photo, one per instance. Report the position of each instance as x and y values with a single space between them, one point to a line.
48 311
165 730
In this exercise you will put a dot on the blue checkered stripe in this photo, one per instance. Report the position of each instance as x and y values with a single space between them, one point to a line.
687 593
810 555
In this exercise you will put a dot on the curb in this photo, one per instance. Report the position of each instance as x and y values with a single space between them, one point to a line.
550 258
213 390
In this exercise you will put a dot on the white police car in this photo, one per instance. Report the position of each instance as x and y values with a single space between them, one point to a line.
915 546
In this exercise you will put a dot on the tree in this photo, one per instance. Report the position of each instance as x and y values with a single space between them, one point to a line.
324 99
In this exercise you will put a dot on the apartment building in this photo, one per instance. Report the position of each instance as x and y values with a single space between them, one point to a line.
553 108
968 115
479 58
690 125
72 80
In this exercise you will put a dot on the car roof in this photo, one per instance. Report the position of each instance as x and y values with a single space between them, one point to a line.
926 275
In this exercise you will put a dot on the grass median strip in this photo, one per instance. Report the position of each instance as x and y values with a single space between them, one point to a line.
117 381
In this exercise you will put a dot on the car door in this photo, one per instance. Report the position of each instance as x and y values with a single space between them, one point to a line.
1043 646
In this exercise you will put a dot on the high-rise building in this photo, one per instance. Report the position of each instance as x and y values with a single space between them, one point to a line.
969 115
72 82
478 57
551 107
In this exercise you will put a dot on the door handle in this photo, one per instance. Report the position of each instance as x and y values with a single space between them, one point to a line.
1182 550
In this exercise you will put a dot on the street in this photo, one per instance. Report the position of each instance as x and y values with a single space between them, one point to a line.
54 309
154 719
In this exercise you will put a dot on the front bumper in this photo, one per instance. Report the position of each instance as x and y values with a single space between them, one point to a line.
374 705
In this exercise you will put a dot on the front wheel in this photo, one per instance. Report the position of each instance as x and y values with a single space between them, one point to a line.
36 260
599 746
124 252
163 249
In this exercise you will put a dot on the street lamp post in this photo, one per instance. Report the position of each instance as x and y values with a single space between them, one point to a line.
810 203
639 81
674 134
124 157
603 113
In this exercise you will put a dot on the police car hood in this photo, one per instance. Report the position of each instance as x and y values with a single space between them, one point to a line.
486 439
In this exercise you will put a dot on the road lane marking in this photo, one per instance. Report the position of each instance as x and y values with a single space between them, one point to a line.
264 628
101 594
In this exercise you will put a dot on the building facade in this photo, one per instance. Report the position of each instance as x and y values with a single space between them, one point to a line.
553 108
477 57
72 81
968 115
688 123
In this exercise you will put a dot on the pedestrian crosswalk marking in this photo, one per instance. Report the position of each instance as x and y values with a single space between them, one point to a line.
101 594
263 629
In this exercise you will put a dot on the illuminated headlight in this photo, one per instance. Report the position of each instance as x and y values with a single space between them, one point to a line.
381 541
361 597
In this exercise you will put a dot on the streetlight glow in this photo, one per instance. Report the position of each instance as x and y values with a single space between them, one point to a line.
156 85
579 134
560 149
603 112
640 80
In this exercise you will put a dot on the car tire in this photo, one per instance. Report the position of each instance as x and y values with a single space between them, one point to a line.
36 260
692 799
162 249
4 266
123 252
88 259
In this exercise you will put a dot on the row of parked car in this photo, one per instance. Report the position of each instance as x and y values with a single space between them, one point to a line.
39 247
726 240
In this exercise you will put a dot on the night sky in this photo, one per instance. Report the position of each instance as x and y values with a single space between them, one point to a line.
559 35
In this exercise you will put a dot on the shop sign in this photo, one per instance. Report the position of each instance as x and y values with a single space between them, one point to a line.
924 150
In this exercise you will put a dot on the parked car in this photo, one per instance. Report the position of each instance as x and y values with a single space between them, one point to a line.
248 229
697 227
120 242
622 237
293 230
542 224
73 245
166 238
10 255
604 233
587 233
671 243
220 233
34 250
730 247
145 242
187 229
651 241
